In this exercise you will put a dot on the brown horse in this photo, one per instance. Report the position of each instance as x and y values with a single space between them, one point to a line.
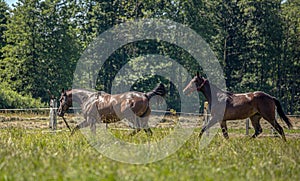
107 108
255 105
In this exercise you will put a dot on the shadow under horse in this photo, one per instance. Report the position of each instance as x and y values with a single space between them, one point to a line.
107 108
255 105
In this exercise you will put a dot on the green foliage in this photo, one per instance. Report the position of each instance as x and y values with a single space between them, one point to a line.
289 69
252 42
42 49
4 15
12 99
256 42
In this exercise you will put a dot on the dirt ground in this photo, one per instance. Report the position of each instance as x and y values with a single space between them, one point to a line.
42 122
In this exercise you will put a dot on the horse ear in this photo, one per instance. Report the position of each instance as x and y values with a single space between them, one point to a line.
198 74
63 90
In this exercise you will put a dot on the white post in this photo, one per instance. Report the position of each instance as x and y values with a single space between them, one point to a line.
273 131
206 116
53 110
247 126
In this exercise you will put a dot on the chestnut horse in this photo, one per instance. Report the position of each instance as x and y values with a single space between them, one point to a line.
107 108
255 105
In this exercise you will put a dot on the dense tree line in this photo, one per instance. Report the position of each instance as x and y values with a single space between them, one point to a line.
256 42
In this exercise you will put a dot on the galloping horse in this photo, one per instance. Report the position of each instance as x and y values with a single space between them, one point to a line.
255 105
107 108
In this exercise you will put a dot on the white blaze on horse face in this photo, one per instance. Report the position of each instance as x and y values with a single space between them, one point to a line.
191 87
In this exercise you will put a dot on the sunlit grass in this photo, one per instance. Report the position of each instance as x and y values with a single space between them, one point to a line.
37 155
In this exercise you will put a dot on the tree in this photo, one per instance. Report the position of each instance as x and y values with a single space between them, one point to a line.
4 16
291 56
227 39
42 50
257 43
20 54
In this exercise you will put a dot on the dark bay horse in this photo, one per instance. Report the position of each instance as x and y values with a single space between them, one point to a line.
107 108
255 105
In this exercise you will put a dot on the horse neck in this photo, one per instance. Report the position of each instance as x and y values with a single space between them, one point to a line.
206 92
210 93
79 96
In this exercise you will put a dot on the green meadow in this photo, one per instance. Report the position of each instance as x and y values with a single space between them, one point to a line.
39 155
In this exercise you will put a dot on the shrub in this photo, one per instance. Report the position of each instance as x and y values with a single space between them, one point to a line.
10 99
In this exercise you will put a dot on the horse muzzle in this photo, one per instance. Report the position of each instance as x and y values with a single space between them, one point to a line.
189 89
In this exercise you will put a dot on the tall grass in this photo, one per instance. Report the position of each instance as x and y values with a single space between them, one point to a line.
36 155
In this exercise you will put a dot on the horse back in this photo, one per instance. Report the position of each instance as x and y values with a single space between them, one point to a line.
112 106
241 106
250 97
136 101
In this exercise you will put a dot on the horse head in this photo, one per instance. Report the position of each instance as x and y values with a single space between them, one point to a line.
65 102
195 84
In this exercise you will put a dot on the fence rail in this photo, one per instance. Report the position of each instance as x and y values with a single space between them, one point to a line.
53 110
156 111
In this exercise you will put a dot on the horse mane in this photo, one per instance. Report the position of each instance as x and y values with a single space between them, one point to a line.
158 90
228 94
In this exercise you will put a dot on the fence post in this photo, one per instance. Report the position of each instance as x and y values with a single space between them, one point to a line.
247 126
206 116
53 110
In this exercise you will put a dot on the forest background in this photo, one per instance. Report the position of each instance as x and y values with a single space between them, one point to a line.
256 42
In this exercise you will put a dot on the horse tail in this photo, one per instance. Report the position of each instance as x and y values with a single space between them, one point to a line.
281 113
159 90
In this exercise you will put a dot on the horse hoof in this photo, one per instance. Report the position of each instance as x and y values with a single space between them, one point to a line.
72 133
200 135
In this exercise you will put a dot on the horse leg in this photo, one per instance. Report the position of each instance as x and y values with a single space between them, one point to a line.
271 119
80 125
128 114
267 110
224 129
148 131
135 126
256 124
93 126
135 131
278 128
210 123
144 122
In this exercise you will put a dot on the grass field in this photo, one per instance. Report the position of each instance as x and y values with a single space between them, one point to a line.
32 154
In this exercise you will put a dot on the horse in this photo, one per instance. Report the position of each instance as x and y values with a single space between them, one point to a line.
255 105
107 108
